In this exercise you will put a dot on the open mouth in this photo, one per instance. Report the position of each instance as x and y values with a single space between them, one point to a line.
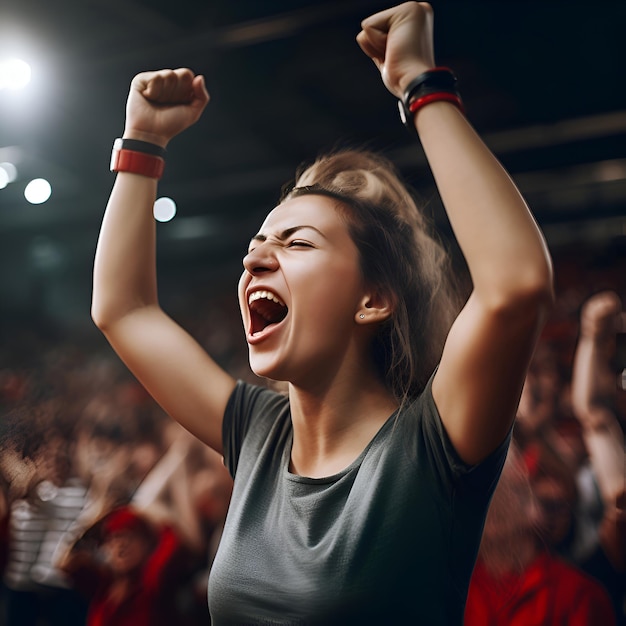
266 309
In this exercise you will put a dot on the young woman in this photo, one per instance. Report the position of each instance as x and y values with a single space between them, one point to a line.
359 498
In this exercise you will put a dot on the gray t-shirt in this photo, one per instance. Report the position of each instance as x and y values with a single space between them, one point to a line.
392 539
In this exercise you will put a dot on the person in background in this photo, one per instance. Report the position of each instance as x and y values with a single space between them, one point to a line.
164 505
35 591
517 581
128 567
189 490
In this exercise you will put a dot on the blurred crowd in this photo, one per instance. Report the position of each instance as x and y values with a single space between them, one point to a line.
110 513
554 543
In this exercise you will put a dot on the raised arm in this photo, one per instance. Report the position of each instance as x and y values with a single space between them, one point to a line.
594 388
486 355
165 494
175 370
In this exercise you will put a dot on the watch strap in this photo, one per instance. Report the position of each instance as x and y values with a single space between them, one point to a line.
137 145
150 165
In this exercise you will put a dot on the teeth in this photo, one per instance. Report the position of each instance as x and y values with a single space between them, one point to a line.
267 295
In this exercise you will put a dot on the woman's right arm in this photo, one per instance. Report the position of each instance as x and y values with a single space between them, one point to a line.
171 365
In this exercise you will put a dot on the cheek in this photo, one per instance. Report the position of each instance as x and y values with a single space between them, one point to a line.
336 289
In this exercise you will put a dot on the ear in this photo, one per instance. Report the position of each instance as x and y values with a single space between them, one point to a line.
376 306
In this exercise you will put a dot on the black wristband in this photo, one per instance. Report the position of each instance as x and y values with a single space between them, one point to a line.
435 80
140 146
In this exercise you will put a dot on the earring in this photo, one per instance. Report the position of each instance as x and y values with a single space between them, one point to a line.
362 316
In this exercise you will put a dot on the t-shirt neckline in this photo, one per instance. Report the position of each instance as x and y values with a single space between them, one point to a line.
288 475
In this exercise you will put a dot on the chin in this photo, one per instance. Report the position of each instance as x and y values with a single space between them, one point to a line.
262 365
264 370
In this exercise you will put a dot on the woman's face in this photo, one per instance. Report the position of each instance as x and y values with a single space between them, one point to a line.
301 291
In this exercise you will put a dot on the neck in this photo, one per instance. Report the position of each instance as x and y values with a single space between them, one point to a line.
333 424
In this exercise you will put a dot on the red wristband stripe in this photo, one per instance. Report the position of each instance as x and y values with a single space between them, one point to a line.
446 96
137 163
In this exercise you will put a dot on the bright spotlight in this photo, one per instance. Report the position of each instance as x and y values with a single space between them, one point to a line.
10 170
4 178
164 209
38 191
14 74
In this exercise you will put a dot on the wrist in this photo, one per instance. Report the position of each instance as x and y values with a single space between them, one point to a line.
137 156
140 135
435 85
409 76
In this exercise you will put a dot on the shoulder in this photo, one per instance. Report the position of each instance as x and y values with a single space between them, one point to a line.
425 436
249 400
251 413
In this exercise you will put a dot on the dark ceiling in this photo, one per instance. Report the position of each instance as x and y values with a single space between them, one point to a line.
544 83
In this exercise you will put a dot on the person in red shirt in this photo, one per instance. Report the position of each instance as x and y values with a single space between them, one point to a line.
130 580
516 581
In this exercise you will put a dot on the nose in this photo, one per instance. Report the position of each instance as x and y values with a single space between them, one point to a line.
259 260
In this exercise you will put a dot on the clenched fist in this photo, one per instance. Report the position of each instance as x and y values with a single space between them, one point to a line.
162 104
400 42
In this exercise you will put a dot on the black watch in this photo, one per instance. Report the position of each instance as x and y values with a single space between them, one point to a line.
432 81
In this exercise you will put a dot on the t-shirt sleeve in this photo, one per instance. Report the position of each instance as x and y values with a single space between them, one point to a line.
462 491
247 404
446 462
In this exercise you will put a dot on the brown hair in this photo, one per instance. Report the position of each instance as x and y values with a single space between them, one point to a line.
398 255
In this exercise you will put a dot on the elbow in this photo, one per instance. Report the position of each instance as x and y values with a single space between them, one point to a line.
536 284
533 290
521 287
541 297
528 301
536 302
99 315
104 315
543 284
100 324
107 314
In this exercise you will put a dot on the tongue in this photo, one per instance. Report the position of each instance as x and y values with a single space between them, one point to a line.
266 312
270 311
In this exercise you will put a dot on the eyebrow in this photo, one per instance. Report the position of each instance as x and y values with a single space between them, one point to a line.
287 233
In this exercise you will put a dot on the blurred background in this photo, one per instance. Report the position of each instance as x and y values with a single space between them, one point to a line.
542 81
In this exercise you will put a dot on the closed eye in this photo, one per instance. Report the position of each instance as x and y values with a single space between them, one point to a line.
298 243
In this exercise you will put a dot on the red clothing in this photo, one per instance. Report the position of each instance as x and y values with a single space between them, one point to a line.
549 592
150 602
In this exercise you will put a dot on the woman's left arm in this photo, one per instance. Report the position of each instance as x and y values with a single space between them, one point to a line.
486 355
